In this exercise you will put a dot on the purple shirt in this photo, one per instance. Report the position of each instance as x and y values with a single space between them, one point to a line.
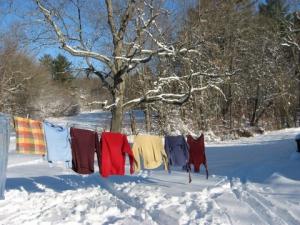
177 150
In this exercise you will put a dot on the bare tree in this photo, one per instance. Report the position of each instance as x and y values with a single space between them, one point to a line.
291 40
133 35
13 79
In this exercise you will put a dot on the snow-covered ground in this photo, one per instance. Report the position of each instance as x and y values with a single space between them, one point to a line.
252 181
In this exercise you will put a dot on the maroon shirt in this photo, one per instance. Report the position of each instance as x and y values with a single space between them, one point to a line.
197 152
84 144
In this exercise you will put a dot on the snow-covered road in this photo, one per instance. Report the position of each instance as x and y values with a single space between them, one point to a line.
252 181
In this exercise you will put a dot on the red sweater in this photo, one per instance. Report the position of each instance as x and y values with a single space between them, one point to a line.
114 147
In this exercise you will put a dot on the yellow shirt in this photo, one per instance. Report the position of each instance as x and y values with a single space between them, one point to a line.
151 149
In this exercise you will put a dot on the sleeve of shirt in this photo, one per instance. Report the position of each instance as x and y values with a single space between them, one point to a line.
127 149
168 150
136 155
205 162
164 156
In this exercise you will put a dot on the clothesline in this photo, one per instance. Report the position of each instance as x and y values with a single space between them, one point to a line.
76 145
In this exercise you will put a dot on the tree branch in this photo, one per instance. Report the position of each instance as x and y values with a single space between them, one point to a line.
111 21
62 40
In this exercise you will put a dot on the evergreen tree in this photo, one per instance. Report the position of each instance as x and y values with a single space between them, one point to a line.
59 67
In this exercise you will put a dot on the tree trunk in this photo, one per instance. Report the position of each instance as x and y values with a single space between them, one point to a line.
117 110
162 121
255 107
116 120
147 118
133 123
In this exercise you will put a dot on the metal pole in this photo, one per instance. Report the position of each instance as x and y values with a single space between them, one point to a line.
4 146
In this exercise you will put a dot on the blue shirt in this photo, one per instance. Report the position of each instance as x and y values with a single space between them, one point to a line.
177 150
58 143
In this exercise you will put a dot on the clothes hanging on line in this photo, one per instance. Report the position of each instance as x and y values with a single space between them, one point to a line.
177 150
197 153
29 136
4 146
78 146
58 143
114 147
84 144
151 149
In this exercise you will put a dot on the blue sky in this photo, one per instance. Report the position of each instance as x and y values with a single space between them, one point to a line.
16 14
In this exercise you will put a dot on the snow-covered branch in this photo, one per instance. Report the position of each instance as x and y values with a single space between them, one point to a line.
18 85
63 41
103 104
158 93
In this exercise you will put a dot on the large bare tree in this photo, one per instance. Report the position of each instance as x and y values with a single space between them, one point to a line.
116 38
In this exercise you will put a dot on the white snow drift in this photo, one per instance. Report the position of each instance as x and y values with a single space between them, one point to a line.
252 181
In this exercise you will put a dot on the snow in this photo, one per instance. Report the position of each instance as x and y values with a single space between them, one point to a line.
252 181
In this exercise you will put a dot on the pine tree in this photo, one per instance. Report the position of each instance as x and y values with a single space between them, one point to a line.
59 67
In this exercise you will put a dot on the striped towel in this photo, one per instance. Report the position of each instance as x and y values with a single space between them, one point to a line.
29 136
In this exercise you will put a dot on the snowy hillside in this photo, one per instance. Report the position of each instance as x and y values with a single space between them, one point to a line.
252 181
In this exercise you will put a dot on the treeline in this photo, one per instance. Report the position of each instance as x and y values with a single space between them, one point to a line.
251 44
249 63
254 51
39 88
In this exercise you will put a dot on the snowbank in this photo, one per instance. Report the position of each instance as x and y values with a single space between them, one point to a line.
252 181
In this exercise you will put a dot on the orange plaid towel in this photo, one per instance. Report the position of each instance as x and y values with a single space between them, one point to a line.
29 136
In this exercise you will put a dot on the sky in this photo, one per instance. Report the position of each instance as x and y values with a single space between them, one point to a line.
16 13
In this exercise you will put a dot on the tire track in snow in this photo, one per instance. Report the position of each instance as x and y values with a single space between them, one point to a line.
258 207
283 213
223 183
225 213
